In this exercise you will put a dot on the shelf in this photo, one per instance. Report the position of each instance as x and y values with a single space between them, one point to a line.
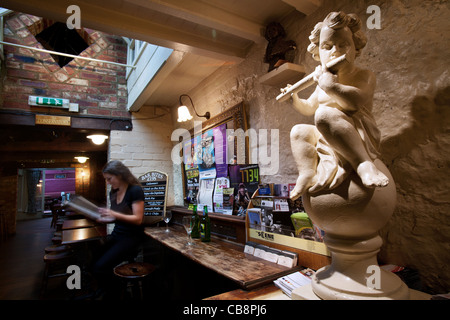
311 254
287 73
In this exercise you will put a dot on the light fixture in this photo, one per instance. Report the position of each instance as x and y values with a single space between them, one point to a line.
81 159
185 115
97 138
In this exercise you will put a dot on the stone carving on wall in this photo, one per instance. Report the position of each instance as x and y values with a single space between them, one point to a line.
346 189
278 49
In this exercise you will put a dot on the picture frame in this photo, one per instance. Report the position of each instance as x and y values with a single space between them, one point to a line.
230 120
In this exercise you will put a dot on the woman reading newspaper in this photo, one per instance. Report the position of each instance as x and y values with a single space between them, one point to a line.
127 208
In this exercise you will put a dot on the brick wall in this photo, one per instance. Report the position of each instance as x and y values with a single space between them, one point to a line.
8 206
98 88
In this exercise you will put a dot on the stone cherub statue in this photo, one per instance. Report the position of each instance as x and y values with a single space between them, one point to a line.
345 135
278 50
346 189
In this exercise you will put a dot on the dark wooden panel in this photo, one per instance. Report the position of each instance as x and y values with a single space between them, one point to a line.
224 226
77 122
101 124
16 119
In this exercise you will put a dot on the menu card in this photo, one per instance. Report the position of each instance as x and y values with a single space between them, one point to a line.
154 184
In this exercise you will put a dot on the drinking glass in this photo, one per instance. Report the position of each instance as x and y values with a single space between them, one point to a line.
187 224
167 218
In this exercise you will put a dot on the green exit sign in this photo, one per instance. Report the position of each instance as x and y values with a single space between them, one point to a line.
48 102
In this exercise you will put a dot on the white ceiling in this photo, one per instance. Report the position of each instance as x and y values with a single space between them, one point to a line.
211 32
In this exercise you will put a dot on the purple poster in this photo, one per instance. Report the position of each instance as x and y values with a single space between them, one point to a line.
220 147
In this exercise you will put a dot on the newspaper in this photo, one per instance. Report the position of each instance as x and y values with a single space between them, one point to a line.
87 208
292 281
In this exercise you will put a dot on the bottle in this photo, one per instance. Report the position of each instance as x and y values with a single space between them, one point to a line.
195 224
205 226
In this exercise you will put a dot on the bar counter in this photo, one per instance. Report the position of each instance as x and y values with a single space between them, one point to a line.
224 257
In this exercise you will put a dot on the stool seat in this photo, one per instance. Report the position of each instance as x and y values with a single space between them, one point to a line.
134 270
56 240
56 248
54 256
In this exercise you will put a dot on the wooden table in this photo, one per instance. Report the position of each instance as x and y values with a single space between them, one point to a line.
83 234
78 223
226 258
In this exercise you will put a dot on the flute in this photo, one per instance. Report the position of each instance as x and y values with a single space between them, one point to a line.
306 81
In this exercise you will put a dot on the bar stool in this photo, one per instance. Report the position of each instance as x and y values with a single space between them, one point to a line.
56 239
56 263
132 274
56 248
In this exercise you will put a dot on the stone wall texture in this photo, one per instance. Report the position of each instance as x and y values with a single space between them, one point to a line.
410 58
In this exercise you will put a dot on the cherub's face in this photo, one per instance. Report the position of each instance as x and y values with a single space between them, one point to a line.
335 43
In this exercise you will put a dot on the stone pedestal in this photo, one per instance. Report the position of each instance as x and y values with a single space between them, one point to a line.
354 273
307 293
351 216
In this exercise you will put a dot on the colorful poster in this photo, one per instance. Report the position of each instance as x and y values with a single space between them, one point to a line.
191 158
221 183
220 147
208 160
205 194
204 158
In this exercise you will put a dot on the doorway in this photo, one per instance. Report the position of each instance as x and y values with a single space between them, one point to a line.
38 188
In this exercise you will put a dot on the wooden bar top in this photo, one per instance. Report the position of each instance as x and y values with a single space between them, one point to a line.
78 223
83 234
225 258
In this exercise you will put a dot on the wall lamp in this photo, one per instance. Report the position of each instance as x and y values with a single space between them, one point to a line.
81 159
185 115
97 138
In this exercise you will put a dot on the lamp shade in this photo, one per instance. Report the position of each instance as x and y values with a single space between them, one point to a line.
183 114
81 159
98 138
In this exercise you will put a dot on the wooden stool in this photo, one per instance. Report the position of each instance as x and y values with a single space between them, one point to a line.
55 261
56 240
133 273
59 224
56 248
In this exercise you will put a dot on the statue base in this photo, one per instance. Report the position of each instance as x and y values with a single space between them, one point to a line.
307 293
351 216
354 273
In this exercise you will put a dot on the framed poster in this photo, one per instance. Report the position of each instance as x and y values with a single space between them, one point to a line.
207 155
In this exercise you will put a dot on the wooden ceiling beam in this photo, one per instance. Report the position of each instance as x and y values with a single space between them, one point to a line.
304 6
206 14
131 20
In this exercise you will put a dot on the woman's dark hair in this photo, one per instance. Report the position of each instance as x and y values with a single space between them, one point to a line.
120 170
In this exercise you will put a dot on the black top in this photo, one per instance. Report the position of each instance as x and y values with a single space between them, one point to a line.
134 193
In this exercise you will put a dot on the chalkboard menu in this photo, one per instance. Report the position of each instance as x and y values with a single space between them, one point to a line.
154 184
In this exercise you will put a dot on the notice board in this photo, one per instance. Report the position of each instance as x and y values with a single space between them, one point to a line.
154 183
